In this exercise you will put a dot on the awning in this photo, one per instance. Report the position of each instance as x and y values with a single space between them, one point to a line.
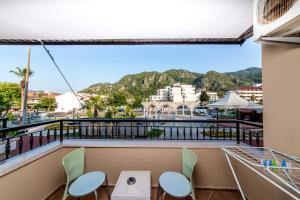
125 21
232 100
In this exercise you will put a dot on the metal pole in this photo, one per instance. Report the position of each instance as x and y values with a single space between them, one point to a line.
235 177
26 89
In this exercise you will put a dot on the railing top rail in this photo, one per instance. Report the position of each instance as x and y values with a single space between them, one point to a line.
28 126
149 120
128 120
259 125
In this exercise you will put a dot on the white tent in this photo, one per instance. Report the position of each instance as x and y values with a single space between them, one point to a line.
232 100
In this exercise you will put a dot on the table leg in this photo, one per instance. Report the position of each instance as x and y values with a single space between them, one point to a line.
96 195
107 189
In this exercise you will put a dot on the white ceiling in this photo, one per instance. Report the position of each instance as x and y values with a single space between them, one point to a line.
123 19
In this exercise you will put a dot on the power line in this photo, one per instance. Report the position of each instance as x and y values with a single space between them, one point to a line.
59 70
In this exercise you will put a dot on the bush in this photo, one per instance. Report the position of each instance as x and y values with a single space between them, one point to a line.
108 114
155 133
132 115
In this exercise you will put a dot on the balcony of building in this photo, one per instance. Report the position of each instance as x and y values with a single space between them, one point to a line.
31 161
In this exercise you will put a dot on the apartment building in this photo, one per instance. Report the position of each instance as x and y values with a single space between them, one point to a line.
251 93
176 93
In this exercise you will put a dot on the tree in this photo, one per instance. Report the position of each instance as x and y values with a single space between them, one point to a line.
10 95
203 97
48 103
114 110
127 111
94 105
252 98
137 102
117 99
21 73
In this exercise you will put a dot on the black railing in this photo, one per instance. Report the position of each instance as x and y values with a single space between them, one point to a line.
17 140
3 122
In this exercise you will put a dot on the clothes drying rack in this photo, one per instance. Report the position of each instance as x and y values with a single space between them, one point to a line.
280 169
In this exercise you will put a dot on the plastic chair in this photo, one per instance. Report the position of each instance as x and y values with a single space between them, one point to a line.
176 184
73 163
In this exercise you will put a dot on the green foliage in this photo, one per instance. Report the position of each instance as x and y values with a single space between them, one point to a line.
10 116
117 99
203 97
10 95
114 110
137 103
142 85
127 111
108 114
94 106
155 133
132 115
46 103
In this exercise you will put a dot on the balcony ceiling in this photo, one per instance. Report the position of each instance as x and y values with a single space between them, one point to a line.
125 21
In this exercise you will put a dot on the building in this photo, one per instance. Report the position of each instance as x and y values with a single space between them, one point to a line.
251 93
213 96
176 93
34 97
181 93
67 102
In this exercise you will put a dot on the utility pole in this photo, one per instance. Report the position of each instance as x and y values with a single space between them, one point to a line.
26 89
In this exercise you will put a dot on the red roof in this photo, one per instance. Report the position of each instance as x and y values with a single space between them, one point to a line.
251 88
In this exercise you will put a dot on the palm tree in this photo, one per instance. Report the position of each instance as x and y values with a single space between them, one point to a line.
95 104
21 73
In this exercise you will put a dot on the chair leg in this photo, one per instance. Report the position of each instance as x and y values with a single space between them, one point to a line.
107 189
96 195
164 195
158 188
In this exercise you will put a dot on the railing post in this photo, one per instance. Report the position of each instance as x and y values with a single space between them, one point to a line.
238 132
4 123
61 130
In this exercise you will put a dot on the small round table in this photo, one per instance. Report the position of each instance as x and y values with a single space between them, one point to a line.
87 183
174 184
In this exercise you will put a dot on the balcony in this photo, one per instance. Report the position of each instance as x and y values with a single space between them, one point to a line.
34 152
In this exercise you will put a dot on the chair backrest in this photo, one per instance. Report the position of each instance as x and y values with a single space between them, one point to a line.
73 163
189 160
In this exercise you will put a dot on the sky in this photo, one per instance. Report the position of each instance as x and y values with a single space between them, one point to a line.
86 65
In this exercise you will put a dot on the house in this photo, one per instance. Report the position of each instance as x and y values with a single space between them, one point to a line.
67 102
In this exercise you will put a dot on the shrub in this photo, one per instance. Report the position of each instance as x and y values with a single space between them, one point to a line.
108 114
155 133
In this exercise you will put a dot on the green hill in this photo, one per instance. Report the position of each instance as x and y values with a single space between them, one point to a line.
146 83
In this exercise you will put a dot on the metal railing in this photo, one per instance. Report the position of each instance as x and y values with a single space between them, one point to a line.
17 140
3 122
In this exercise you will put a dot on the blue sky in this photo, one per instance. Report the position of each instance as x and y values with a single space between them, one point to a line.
86 65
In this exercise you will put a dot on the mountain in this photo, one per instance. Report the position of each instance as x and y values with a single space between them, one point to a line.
250 74
146 83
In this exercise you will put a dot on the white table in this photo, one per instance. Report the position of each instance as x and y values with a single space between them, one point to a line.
141 190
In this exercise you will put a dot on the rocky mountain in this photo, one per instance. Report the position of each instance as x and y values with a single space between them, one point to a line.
146 83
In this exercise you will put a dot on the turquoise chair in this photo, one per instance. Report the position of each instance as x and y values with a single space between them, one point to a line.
176 184
73 163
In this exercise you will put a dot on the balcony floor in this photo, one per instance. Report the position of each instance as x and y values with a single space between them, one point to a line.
201 194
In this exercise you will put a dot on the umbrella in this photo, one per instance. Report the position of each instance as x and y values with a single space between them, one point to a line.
232 100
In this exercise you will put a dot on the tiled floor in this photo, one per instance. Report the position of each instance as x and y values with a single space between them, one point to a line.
201 194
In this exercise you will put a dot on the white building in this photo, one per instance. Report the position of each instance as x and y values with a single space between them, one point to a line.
176 93
248 92
67 102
